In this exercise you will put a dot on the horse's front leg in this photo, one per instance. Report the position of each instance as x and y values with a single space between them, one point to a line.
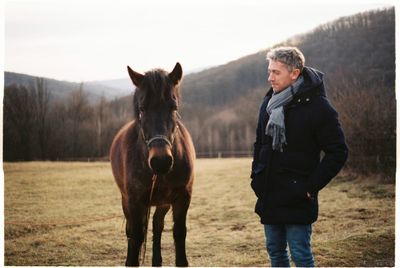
180 208
158 227
135 233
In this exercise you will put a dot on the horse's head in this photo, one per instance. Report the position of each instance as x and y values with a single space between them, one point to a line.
156 102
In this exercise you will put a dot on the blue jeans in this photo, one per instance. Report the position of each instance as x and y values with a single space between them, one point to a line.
298 236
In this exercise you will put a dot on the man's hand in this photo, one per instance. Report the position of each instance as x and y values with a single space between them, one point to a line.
309 196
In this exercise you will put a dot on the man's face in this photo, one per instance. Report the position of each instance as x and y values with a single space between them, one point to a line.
279 75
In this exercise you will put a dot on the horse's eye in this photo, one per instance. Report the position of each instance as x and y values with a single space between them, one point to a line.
141 109
174 105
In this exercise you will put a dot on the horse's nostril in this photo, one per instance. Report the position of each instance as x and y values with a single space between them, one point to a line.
161 164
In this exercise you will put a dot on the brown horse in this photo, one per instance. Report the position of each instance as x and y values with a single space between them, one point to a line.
155 142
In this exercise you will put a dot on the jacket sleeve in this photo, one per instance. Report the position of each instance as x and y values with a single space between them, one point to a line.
258 142
330 139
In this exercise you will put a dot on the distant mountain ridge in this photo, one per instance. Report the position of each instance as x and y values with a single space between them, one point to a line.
60 90
326 48
111 89
125 86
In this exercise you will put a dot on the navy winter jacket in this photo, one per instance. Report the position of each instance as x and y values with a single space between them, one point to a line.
281 180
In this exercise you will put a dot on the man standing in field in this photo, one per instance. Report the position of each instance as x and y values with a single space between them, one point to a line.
296 123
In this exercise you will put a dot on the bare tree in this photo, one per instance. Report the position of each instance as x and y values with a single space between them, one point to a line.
42 108
59 143
368 117
19 122
101 114
79 111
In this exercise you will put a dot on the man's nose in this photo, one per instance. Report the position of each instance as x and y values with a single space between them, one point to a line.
270 77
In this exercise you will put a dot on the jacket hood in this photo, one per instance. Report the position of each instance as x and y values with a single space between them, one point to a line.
313 78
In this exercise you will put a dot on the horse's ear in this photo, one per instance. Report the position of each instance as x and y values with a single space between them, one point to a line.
176 74
136 78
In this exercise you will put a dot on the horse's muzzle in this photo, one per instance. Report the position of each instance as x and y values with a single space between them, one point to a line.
160 159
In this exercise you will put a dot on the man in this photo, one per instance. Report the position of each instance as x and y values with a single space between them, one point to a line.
296 123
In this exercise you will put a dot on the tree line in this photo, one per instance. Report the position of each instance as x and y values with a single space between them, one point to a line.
40 127
37 127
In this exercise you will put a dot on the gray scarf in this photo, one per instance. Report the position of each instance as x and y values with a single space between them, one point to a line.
276 124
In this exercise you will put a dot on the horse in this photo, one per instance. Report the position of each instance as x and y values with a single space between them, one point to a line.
155 145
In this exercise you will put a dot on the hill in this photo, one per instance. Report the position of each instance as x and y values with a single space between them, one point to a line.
121 87
60 90
357 55
362 44
110 89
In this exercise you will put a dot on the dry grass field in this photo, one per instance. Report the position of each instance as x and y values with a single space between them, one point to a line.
70 214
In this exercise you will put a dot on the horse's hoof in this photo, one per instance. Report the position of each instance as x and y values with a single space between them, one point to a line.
130 263
156 262
182 263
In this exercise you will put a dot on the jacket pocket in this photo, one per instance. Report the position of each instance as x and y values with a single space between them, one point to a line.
291 192
297 188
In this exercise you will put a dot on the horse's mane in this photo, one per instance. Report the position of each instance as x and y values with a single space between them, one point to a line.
155 87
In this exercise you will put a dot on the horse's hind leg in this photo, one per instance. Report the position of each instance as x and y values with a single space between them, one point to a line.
180 208
158 227
135 234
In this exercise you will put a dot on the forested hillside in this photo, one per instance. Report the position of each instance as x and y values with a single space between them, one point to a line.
362 44
220 104
357 55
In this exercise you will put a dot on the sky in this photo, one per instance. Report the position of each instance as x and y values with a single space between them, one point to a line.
84 40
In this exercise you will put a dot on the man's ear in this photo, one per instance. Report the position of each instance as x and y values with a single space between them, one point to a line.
295 74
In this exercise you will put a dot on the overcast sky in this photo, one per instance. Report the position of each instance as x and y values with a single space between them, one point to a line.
78 40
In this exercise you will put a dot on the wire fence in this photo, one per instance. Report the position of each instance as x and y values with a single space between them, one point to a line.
224 154
201 154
